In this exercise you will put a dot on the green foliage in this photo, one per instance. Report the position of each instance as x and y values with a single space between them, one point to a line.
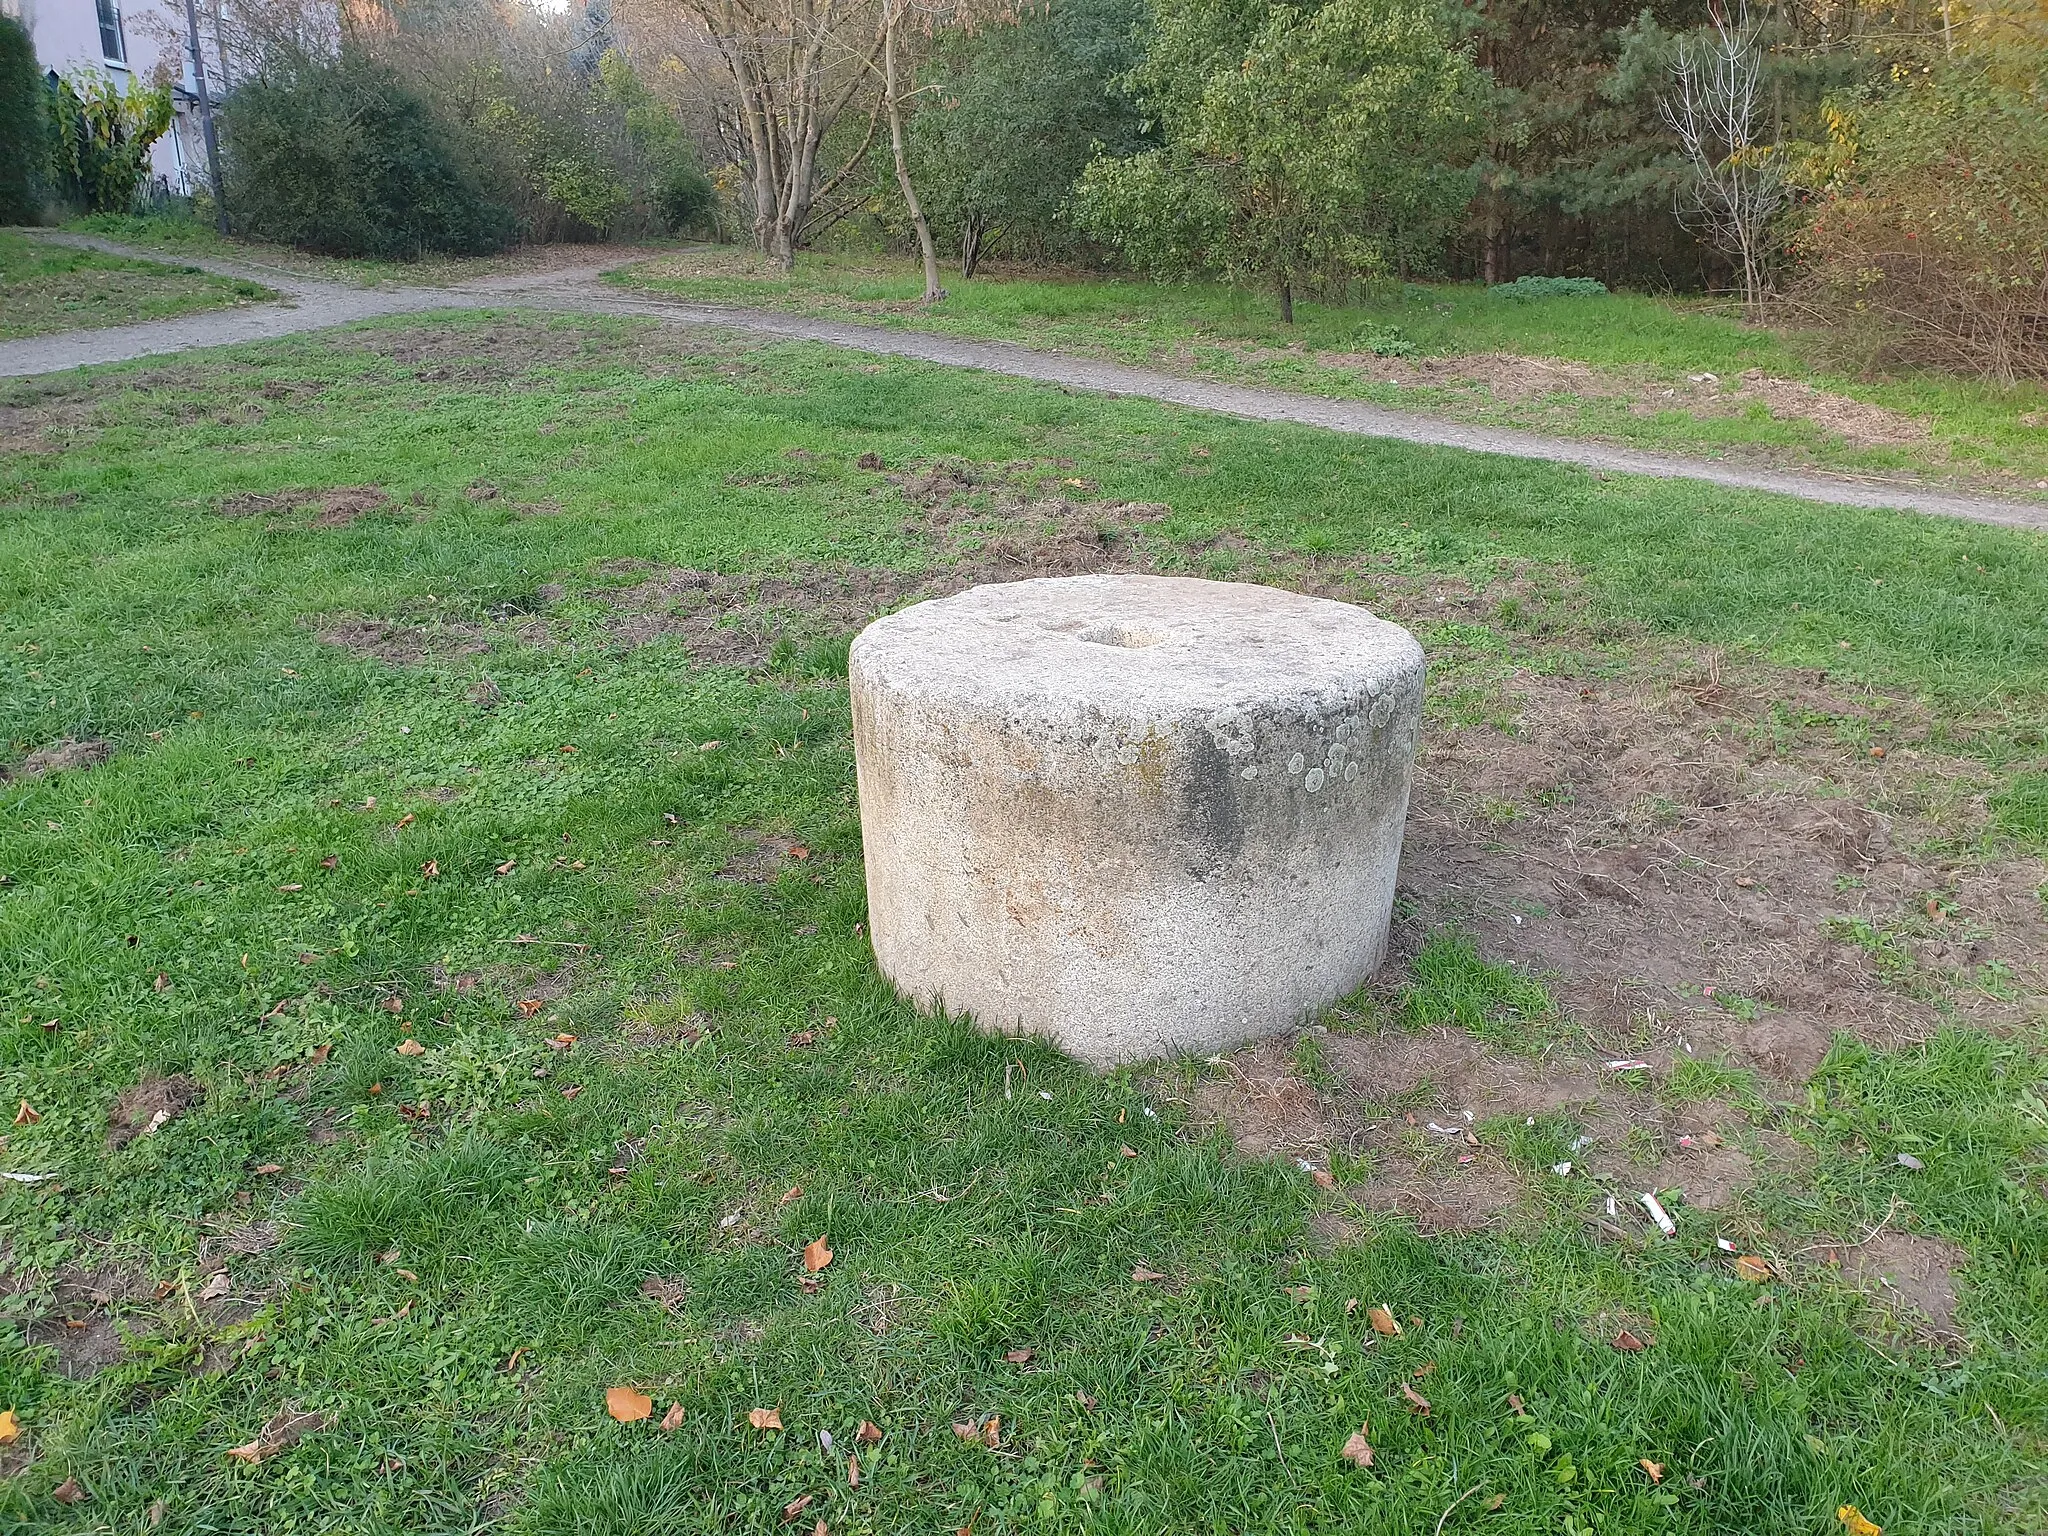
1304 146
1532 287
342 157
1930 211
1010 117
24 126
103 138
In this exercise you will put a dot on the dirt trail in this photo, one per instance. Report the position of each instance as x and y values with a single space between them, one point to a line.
310 304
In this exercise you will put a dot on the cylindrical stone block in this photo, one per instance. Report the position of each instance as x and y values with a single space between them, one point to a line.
1133 814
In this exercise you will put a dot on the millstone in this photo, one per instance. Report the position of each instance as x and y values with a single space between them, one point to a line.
1133 814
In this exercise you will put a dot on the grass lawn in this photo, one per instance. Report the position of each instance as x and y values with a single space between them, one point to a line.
190 238
46 288
1682 376
435 988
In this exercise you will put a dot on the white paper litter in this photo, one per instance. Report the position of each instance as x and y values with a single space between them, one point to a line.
1658 1214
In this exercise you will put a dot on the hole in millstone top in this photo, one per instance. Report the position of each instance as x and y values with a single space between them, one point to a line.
1131 637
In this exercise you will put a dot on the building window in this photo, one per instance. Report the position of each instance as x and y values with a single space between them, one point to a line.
112 46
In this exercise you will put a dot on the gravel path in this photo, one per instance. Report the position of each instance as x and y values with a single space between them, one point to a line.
311 304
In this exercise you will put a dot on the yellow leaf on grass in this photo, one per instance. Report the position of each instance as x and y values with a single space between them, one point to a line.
10 1427
1856 1523
867 1434
765 1418
673 1419
1146 1276
1752 1268
1382 1321
1654 1469
816 1255
26 1115
628 1405
411 1048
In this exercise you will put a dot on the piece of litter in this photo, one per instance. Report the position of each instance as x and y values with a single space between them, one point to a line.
1724 1245
1530 1120
27 1178
1628 1065
1446 1130
1908 1160
1466 1158
727 1222
1468 1116
1658 1214
1304 1165
1043 1094
1581 1143
1610 1207
1562 1170
1151 1113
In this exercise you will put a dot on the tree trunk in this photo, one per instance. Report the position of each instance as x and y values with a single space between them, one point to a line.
970 248
1286 300
932 291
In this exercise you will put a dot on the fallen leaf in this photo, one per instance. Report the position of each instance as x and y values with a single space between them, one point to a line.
1018 1357
1857 1522
765 1418
270 1168
1146 1276
1514 1402
816 1255
804 1037
967 1431
1350 1305
1382 1321
216 1287
506 867
10 1427
867 1434
1752 1268
799 851
529 1006
406 820
411 1048
572 1090
992 1432
821 1529
1655 1469
794 1192
1495 1502
26 1115
1628 1342
1415 1399
853 1471
407 1275
673 1419
1324 1178
431 870
1298 1292
290 888
70 1491
797 1506
1127 1151
513 1363
285 1429
1357 1450
393 1005
628 1405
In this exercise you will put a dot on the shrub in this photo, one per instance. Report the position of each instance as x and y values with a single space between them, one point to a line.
1930 220
103 138
342 157
1548 288
685 199
23 126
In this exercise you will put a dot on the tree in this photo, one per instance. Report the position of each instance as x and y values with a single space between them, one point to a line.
1010 118
103 138
787 70
1722 115
23 126
1298 138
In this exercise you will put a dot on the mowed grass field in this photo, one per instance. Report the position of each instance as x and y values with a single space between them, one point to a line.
436 991
1681 375
46 288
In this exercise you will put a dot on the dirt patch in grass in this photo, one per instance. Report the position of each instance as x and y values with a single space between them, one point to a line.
403 644
1910 1276
149 1106
1501 375
1854 421
333 507
58 757
76 1312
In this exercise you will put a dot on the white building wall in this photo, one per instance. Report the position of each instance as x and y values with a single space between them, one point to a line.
149 37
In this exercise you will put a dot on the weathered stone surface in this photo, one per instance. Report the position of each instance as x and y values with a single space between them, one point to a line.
1135 814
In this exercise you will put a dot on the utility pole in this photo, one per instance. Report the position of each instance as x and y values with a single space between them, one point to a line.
220 199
